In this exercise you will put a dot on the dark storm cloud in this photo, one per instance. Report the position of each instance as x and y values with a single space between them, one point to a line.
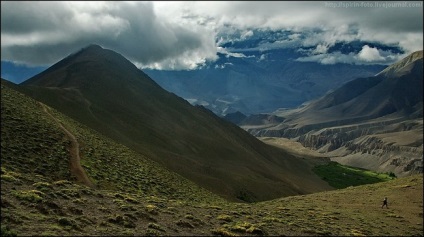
23 17
183 35
39 33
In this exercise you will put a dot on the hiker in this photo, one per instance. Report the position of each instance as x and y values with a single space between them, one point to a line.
385 203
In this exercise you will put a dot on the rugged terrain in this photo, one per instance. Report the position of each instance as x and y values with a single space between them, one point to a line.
134 195
104 91
374 123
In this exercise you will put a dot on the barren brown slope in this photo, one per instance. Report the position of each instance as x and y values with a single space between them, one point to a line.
374 123
397 89
103 90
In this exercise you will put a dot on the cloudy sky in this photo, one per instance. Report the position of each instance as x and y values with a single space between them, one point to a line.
186 35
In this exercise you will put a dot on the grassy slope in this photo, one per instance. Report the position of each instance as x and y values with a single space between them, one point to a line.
103 90
63 208
33 144
214 158
38 199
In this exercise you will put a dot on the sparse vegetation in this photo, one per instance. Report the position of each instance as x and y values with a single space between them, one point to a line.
63 221
156 227
29 196
8 178
225 217
222 232
6 232
184 224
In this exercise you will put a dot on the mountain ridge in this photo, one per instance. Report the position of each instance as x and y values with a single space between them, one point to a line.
403 66
375 96
366 115
103 90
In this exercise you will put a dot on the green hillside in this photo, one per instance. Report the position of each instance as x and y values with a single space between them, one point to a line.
33 143
104 91
135 196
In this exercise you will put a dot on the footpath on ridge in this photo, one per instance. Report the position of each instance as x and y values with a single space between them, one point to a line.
75 165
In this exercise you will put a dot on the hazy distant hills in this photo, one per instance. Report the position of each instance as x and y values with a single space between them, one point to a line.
253 85
106 92
373 122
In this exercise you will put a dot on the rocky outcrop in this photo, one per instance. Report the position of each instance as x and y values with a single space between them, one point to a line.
336 137
326 128
366 138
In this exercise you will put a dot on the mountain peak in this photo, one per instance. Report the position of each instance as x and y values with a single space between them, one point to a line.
403 66
93 46
91 64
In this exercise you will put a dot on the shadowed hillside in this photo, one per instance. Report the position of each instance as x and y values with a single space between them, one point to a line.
34 143
104 91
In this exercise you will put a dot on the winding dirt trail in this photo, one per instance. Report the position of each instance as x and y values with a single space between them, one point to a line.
75 165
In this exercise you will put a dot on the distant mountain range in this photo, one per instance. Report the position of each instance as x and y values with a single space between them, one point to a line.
104 91
260 81
373 122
